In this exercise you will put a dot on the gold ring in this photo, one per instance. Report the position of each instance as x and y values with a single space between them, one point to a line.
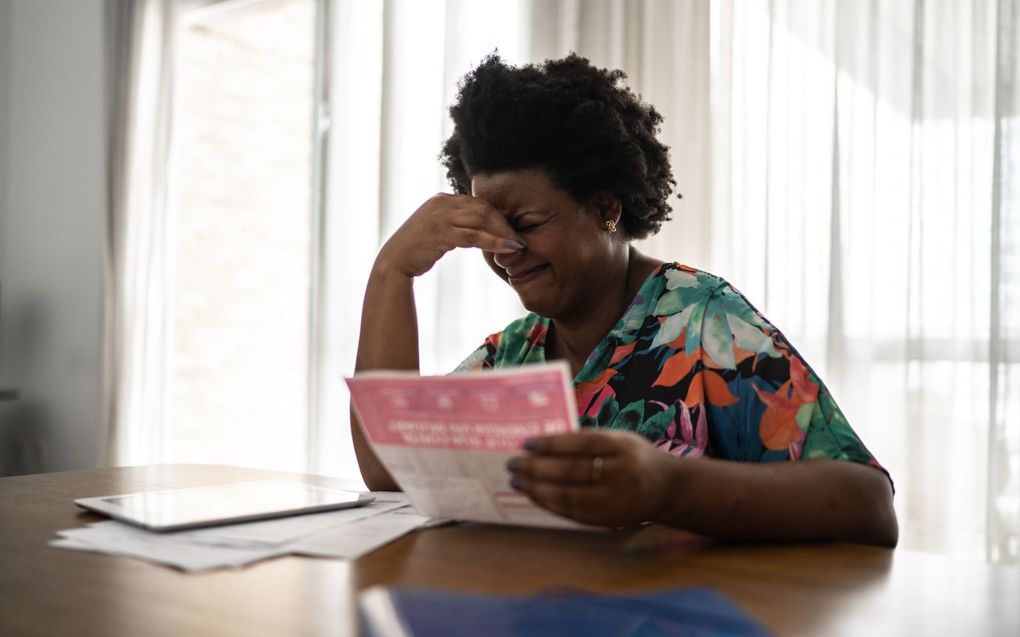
596 469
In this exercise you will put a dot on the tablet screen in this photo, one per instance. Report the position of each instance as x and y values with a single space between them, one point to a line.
220 504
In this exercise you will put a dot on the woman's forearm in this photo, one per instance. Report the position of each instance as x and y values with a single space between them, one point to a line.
389 322
803 500
389 340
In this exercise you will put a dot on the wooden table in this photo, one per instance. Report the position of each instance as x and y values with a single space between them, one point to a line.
823 589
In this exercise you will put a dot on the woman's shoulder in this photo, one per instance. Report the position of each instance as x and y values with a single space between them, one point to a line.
676 288
681 274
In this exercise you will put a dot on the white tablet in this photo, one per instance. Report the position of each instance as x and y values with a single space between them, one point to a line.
177 509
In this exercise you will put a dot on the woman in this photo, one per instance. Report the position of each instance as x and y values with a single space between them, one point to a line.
696 412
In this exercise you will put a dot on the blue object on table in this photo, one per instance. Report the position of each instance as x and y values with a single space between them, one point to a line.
416 612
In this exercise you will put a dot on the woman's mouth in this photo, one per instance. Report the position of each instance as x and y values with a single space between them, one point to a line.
521 277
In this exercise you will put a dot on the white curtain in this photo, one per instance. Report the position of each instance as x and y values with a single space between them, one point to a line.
395 67
850 166
866 193
902 249
140 37
853 168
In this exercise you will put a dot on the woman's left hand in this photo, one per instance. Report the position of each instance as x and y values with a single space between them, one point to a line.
606 478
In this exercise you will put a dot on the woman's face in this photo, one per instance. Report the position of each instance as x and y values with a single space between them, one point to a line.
568 248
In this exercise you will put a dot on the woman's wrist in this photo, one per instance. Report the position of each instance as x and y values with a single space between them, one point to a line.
673 480
385 269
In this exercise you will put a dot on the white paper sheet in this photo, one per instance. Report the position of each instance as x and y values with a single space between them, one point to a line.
115 538
357 538
347 533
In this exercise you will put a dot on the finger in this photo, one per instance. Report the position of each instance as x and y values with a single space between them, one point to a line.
591 443
575 469
587 504
480 215
475 238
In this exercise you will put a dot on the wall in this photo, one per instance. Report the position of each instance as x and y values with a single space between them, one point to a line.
51 218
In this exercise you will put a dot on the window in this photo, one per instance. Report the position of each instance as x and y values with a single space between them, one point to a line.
242 230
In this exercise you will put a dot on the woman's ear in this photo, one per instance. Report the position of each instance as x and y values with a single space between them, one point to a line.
607 206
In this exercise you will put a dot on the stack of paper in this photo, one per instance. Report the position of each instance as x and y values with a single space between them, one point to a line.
347 533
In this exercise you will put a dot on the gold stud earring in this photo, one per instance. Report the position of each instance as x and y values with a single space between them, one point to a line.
610 225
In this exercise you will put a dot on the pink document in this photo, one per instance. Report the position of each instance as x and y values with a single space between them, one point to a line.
446 439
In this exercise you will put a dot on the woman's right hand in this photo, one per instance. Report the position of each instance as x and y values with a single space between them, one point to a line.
443 223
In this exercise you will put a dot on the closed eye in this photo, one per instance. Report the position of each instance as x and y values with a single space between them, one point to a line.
528 228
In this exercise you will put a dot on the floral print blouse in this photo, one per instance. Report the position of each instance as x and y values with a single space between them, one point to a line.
696 369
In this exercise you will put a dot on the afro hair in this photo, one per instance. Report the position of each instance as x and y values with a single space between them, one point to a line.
570 118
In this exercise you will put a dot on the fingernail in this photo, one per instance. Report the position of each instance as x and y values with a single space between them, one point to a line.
520 240
513 245
513 464
531 444
517 484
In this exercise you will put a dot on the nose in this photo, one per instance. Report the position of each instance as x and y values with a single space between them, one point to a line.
508 260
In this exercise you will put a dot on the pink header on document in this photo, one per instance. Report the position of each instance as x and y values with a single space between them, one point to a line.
480 411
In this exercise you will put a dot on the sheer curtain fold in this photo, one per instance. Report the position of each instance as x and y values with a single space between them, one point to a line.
352 225
395 68
1003 497
883 248
851 166
140 71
